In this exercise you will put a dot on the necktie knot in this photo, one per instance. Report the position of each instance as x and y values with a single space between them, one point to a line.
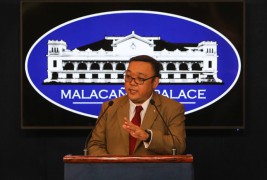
137 118
138 109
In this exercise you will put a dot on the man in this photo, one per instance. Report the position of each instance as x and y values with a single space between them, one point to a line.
117 133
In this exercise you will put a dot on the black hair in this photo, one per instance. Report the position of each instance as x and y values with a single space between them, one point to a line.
154 63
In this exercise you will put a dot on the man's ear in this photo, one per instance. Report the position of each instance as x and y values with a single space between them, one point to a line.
155 82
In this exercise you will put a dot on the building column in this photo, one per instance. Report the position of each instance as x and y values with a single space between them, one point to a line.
75 66
101 65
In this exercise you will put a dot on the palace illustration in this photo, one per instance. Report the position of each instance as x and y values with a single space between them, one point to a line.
105 61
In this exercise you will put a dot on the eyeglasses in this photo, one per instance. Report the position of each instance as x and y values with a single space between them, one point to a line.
137 80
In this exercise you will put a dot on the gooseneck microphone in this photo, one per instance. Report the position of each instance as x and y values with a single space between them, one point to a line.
85 150
173 149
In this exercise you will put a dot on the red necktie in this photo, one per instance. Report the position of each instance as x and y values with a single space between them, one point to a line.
137 121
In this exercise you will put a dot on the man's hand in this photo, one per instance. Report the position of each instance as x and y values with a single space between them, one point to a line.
134 130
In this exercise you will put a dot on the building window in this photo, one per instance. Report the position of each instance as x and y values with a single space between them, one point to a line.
195 76
108 76
171 66
69 76
107 66
183 76
82 66
161 67
54 63
210 64
54 75
196 67
95 66
95 76
120 66
82 76
120 76
170 76
183 66
68 66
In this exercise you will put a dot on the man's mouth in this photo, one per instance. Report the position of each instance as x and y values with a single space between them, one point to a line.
132 91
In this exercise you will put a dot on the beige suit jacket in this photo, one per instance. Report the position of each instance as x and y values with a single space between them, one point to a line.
109 138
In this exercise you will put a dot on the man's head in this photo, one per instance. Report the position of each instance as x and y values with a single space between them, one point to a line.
141 78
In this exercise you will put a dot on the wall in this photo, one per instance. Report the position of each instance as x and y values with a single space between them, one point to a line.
217 155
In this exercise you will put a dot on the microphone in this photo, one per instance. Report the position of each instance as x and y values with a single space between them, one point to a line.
110 103
152 102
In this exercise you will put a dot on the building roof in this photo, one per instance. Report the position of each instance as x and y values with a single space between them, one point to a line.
108 43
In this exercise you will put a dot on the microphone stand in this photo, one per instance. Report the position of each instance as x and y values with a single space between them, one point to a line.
173 148
85 150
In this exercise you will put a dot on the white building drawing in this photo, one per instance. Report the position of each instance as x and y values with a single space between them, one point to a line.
106 61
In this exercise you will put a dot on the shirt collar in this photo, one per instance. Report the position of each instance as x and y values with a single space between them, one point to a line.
144 105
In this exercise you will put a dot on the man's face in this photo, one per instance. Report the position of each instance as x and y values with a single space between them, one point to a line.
140 93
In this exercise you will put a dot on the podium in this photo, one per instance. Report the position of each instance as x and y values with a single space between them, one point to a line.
128 167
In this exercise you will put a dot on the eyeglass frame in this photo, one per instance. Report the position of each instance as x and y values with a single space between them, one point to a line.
143 79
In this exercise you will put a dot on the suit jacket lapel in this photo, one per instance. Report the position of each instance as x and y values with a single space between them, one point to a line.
149 117
151 113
